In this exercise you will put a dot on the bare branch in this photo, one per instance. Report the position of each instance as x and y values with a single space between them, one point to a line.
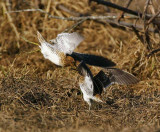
129 11
106 18
70 18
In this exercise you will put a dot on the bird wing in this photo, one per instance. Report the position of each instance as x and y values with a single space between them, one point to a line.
121 77
67 42
108 76
93 59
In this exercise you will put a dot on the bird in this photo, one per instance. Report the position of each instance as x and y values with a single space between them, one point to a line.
93 86
64 44
60 52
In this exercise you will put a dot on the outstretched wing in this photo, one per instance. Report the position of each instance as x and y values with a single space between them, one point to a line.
114 75
121 77
93 59
67 42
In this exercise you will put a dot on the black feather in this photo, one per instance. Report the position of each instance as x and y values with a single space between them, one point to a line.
83 69
101 80
93 59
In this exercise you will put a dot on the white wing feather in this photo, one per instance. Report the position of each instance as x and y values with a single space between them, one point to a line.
67 42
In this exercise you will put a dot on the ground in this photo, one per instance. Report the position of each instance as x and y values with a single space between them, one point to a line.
36 95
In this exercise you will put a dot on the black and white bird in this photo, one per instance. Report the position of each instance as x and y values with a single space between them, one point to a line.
93 86
61 51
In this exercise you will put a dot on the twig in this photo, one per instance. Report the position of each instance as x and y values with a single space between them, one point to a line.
126 6
77 14
29 41
74 25
153 52
66 18
146 38
130 25
153 17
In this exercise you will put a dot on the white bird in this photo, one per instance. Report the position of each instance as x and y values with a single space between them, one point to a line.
64 44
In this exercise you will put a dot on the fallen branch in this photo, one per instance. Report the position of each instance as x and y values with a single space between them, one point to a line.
70 18
129 11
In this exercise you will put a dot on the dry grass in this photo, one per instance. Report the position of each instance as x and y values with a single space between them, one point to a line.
36 95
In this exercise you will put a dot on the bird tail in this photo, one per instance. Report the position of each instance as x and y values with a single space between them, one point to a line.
40 38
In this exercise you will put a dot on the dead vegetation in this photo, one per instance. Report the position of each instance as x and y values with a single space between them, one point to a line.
36 95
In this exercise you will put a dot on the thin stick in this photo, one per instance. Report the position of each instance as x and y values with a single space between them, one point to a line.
126 6
153 17
146 38
30 41
74 26
153 52
65 18
130 25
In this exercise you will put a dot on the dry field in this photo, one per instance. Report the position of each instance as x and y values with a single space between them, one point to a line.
36 95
